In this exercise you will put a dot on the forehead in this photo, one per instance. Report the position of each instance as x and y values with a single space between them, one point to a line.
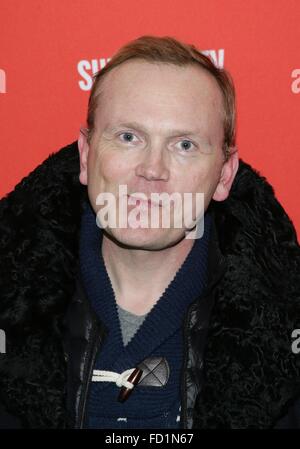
159 90
136 73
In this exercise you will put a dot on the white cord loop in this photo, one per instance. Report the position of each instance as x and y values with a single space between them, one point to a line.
111 376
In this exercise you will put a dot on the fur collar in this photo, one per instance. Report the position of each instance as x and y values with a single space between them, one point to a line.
250 369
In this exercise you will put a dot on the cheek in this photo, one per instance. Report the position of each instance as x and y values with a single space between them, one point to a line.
107 165
205 180
201 179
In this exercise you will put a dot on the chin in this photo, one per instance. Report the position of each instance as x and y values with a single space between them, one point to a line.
145 239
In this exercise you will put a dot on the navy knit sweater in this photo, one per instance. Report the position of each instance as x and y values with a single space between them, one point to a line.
161 335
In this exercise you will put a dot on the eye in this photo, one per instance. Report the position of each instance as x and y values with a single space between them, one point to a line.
186 145
127 137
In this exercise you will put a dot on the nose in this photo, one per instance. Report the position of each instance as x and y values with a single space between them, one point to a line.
153 165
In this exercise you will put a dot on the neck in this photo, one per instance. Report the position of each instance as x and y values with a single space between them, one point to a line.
140 277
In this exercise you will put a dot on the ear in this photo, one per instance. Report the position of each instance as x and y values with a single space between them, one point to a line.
229 170
83 148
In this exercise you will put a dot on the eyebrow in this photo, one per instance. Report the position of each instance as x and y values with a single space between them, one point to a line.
175 132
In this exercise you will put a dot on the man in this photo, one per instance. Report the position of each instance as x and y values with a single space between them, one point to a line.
133 326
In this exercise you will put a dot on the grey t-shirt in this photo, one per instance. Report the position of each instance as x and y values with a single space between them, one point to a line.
129 323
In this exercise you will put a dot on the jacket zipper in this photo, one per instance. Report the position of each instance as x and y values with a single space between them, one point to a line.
183 383
93 348
185 344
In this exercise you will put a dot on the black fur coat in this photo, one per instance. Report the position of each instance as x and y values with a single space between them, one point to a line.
252 375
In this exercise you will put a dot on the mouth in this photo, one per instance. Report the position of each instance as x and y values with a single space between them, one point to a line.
141 202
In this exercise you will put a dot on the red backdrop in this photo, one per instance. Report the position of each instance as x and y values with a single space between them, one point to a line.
50 48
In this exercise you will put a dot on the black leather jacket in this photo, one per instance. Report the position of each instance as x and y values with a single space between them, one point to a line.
239 369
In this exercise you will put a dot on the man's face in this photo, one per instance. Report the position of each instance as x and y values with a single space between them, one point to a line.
158 128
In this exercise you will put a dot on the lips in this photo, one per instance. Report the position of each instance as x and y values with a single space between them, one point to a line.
148 202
